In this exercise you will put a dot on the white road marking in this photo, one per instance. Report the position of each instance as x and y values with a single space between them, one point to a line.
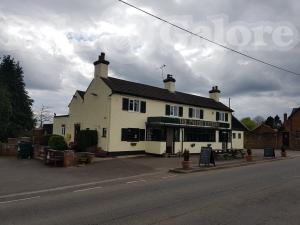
87 189
18 200
61 188
135 181
166 177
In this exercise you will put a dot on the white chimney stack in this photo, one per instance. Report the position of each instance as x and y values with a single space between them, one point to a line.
170 83
101 67
214 93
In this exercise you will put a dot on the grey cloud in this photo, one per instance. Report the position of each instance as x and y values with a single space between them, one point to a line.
136 55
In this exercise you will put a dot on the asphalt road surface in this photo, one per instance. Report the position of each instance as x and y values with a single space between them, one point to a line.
258 194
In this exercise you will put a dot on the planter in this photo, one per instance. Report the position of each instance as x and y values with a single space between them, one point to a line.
186 164
69 158
248 158
283 153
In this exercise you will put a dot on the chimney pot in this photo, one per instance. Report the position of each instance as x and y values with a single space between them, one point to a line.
285 117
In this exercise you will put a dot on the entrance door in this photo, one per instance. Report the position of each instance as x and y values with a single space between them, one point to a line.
170 141
223 137
76 131
286 139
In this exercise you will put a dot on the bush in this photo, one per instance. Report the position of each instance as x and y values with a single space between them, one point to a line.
86 139
57 142
45 139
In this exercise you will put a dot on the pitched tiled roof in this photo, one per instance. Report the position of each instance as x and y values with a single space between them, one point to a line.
147 91
294 111
237 125
81 93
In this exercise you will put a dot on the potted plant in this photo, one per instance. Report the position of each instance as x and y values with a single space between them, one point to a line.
249 155
186 163
283 151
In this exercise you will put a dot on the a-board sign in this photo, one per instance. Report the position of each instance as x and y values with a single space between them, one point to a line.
269 153
206 156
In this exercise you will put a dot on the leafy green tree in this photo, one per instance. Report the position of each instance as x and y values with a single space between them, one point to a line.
249 123
18 103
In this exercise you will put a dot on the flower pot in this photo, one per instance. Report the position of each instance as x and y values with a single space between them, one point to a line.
283 153
186 165
248 158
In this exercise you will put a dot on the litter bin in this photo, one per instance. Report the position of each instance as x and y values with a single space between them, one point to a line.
25 150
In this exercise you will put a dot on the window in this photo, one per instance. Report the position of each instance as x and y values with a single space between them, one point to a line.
234 135
199 135
174 110
195 113
239 135
133 105
63 129
222 116
104 132
132 134
156 134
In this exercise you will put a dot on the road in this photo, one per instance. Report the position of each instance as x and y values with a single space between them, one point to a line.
261 194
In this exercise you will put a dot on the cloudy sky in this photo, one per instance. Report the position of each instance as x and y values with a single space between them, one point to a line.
57 41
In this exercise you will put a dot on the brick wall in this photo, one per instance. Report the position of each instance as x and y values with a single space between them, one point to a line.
292 125
265 140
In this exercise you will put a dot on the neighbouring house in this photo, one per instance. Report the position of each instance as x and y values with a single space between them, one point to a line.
291 135
135 118
238 133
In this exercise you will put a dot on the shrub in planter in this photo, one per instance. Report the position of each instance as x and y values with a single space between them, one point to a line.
86 139
186 163
186 155
249 155
57 142
283 151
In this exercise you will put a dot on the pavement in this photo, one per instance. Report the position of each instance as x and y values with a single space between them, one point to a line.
262 193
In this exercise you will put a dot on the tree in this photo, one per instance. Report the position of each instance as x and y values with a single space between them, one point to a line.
270 122
258 120
277 122
43 115
250 124
18 102
5 112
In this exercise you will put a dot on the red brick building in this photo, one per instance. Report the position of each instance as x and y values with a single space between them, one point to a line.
263 137
291 136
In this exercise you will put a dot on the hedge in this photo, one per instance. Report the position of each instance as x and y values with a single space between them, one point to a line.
45 139
86 139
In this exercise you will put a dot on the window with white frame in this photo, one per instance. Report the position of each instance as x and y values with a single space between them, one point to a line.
174 110
134 105
196 113
222 116
63 129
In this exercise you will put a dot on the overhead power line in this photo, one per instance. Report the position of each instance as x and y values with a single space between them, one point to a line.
213 42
